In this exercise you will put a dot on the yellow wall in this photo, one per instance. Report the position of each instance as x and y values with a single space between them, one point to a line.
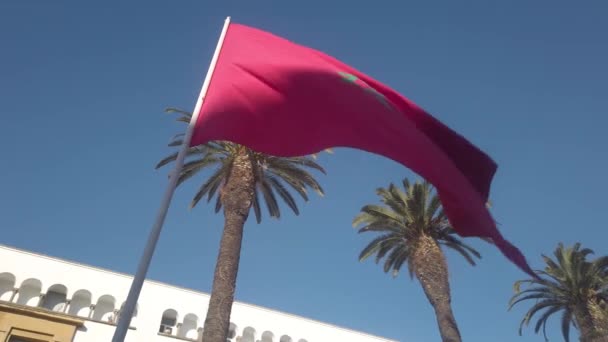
36 324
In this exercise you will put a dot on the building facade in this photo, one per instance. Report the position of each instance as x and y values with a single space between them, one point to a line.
45 299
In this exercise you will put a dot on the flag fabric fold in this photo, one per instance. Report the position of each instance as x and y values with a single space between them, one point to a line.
285 99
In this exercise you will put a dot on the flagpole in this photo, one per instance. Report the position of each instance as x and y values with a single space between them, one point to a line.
127 312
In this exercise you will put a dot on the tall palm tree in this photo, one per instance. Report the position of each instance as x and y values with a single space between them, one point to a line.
412 228
240 177
573 285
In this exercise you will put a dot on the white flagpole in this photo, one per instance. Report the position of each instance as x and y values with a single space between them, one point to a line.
127 312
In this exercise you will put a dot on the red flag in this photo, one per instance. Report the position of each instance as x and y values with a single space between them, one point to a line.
284 99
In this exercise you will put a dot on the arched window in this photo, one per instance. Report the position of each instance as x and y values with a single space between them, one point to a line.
80 305
7 286
133 317
29 292
232 330
267 336
104 309
248 335
168 322
55 298
285 338
188 327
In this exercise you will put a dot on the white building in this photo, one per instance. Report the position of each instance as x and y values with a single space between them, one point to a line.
49 299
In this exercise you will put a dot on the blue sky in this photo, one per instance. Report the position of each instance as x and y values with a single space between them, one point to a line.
83 88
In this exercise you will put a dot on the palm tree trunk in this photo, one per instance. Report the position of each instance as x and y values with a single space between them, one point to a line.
431 270
584 321
236 196
599 315
596 326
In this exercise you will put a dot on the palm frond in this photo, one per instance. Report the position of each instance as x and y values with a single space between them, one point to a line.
172 157
218 204
285 195
172 110
385 247
381 227
305 162
284 169
542 321
519 299
212 182
256 207
461 250
400 260
270 199
377 212
461 244
402 217
273 174
189 170
394 254
534 310
373 247
569 281
566 321
296 185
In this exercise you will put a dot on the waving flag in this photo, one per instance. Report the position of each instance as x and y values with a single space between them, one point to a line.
284 99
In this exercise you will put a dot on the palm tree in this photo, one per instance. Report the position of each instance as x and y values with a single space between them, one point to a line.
412 228
573 285
240 177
